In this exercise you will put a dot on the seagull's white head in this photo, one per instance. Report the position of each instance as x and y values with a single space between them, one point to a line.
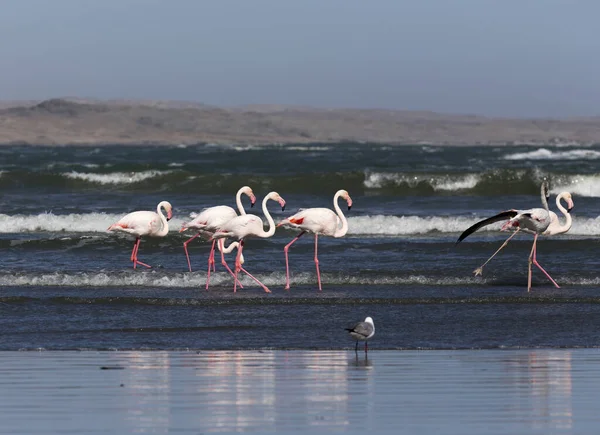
369 320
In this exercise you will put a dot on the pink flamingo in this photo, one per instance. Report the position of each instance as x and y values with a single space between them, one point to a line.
318 221
144 223
242 227
209 220
534 221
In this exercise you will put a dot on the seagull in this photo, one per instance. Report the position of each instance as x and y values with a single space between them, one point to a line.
362 331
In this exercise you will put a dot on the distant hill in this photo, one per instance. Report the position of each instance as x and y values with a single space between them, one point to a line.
95 122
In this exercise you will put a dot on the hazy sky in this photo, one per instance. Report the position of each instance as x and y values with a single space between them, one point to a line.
492 57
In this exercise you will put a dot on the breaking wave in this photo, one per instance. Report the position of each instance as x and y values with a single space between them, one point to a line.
196 280
377 180
546 154
76 223
116 177
582 185
376 225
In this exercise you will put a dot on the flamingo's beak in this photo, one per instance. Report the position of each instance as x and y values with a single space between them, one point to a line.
282 203
570 206
169 215
349 203
252 200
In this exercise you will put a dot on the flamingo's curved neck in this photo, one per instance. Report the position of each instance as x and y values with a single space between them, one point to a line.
238 201
568 222
340 231
228 249
164 229
269 219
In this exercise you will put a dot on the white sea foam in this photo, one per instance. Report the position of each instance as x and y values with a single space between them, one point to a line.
377 225
582 185
115 177
377 180
77 223
381 225
546 154
198 279
161 279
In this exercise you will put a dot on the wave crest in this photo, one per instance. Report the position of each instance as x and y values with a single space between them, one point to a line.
116 177
546 154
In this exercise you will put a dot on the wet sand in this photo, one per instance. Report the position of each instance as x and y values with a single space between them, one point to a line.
452 392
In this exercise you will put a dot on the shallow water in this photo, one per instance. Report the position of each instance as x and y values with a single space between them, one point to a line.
545 391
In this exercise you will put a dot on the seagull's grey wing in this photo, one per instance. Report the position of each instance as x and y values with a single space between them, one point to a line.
361 328
499 217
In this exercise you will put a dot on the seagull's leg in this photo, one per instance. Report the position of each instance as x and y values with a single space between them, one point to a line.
287 267
135 260
356 347
479 270
186 250
224 263
531 261
317 262
210 256
541 268
366 347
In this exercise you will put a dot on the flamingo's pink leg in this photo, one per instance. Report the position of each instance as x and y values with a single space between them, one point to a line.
210 257
224 263
287 267
135 253
134 250
542 269
530 261
186 250
265 288
238 265
317 263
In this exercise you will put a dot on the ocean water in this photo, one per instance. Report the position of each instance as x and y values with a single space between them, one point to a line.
67 284
487 392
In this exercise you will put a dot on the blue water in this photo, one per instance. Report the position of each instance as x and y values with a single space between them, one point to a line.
68 284
535 391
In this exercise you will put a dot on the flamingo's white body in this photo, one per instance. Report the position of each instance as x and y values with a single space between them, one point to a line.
144 223
321 221
243 227
209 220
555 226
534 221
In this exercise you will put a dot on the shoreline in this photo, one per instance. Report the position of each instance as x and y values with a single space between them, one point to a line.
81 122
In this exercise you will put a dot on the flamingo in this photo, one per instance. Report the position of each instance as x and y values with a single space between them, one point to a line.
534 221
318 221
362 331
144 223
209 220
242 227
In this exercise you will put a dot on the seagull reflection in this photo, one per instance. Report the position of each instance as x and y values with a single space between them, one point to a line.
360 362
